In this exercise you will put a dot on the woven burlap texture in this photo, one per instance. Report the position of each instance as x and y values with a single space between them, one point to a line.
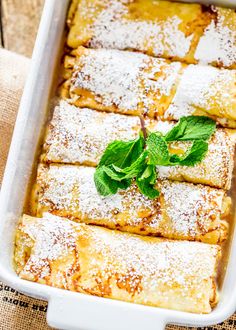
18 312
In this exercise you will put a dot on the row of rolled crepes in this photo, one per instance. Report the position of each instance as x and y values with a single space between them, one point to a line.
132 60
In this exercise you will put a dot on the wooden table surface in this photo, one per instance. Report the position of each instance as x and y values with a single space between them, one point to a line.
19 21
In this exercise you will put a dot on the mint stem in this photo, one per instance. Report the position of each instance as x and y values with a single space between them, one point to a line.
143 128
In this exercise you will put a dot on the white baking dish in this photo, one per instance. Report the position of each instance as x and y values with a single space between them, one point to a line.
69 310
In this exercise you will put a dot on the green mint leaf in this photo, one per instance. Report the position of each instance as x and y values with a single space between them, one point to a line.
104 184
192 128
157 148
122 153
194 155
113 172
118 174
124 161
149 173
147 189
124 184
146 181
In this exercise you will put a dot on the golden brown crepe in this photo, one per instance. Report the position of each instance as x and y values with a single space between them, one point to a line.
215 169
118 81
187 32
137 84
80 136
183 210
177 275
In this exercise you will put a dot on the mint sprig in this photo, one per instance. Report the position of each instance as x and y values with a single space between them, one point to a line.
192 128
157 149
123 153
146 182
124 162
192 156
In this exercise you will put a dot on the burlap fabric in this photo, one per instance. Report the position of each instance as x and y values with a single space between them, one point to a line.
18 312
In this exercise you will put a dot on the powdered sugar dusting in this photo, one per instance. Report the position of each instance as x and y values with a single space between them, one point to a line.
191 207
215 169
55 238
183 211
124 79
112 30
203 87
72 190
159 126
153 260
61 232
148 271
90 202
218 43
112 75
81 135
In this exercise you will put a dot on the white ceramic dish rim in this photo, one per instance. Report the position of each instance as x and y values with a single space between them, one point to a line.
69 310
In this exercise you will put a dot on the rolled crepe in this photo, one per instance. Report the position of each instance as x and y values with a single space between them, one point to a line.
118 81
215 169
183 210
205 90
187 32
177 275
80 136
137 84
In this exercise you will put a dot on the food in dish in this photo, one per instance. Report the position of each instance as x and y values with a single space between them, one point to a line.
118 81
187 32
183 210
158 178
80 136
215 169
152 271
137 84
